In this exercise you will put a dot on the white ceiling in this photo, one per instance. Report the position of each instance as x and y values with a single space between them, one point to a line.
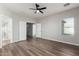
52 8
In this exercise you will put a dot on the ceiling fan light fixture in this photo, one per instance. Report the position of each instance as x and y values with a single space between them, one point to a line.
37 11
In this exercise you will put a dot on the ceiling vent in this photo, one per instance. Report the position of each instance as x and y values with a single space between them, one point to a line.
66 4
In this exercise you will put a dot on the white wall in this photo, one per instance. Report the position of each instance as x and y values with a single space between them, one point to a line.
15 29
52 27
22 30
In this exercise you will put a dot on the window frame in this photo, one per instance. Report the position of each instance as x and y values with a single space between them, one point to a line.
66 27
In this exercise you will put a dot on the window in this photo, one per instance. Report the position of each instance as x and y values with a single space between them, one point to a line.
68 26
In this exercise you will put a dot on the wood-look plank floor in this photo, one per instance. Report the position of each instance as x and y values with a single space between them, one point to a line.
39 47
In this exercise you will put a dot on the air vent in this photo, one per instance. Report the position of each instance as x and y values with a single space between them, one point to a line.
66 4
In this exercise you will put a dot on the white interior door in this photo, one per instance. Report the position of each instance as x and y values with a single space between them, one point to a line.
22 30
34 30
38 30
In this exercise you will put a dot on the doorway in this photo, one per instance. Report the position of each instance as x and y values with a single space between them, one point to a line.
6 30
33 31
29 31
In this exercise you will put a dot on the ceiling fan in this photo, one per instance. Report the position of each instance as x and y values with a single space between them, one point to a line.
38 9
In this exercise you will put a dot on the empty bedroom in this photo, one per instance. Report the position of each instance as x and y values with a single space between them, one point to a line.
39 29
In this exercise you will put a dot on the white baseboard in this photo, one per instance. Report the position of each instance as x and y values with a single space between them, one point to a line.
63 42
12 42
18 40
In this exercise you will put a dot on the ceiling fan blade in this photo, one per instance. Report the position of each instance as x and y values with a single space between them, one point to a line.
42 8
37 5
41 11
32 8
35 12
